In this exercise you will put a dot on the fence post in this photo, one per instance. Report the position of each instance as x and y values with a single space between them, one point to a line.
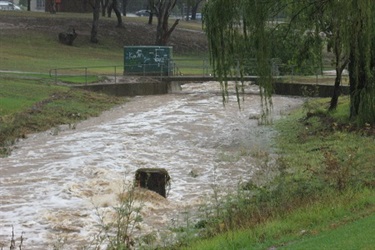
86 75
168 67
203 67
292 80
115 75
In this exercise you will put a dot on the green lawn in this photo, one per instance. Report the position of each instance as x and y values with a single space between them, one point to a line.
345 222
359 234
18 94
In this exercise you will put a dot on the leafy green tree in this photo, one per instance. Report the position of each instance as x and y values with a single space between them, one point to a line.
241 29
298 51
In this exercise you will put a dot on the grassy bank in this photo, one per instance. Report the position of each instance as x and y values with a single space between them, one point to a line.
323 197
336 220
30 105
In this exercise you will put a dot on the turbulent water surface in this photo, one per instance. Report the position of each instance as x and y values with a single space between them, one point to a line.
56 185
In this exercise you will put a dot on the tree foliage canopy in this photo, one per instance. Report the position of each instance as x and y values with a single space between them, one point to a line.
239 30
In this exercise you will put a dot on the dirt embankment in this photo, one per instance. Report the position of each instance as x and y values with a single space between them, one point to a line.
135 31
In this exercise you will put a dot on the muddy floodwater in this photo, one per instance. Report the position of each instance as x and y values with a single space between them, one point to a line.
55 184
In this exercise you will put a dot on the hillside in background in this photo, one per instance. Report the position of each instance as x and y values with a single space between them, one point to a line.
186 39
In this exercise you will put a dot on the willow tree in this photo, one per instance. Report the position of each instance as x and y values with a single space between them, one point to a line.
361 66
237 33
240 29
349 33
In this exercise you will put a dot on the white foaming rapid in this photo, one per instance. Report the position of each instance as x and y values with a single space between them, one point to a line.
54 186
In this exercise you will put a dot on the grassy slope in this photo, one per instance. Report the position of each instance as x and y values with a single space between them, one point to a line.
329 193
316 227
14 98
355 235
29 40
38 51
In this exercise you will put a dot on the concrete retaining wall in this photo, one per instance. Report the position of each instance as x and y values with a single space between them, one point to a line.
129 89
165 87
308 90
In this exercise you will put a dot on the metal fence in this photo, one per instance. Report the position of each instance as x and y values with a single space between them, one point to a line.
86 74
116 72
182 66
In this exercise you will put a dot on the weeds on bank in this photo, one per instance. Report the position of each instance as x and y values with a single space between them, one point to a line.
118 223
325 173
13 242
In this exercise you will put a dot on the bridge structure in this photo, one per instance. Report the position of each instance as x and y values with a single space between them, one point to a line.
158 85
118 83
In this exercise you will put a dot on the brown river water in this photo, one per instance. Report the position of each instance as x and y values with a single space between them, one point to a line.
56 184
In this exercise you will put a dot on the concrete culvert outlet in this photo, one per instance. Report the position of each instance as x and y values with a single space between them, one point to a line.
154 179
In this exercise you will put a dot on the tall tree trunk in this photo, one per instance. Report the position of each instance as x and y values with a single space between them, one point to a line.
117 12
336 90
152 8
341 63
357 80
52 6
194 9
150 18
109 9
163 32
95 21
358 69
124 6
104 5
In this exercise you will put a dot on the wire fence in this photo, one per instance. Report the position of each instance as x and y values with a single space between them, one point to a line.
186 67
85 74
